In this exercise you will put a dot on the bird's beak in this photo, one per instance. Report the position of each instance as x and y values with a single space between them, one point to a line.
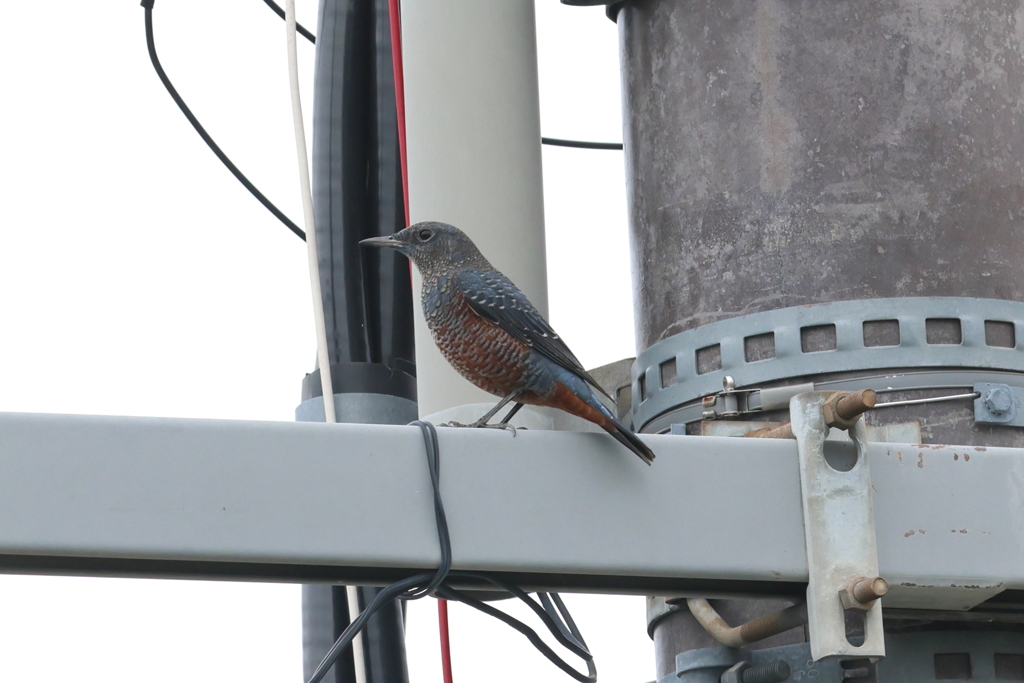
389 242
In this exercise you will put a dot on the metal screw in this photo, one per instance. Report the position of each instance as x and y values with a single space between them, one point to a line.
776 672
998 400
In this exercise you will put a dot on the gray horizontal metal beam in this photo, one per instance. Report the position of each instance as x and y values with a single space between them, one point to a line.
568 511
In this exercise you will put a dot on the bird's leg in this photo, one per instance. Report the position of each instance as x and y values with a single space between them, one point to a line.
511 413
482 422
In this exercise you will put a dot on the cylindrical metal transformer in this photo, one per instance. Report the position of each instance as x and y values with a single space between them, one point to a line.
798 172
782 153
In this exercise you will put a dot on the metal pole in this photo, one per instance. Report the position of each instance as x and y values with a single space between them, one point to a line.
473 122
790 154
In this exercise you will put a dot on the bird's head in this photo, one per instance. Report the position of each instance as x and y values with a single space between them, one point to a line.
431 246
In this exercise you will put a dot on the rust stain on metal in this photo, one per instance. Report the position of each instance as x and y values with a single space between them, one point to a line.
963 531
920 460
909 534
980 449
921 531
966 457
899 455
956 457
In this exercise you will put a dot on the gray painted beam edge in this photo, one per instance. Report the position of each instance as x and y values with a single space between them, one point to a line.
573 511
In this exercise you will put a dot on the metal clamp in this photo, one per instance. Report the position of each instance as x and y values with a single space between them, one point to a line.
999 404
839 529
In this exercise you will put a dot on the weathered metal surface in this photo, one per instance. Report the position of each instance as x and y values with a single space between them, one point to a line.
678 630
944 422
906 432
752 631
916 346
982 657
839 527
789 153
335 503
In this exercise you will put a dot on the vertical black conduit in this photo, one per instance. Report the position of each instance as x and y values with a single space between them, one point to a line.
367 294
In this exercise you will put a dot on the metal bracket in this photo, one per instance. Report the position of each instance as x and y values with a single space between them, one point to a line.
999 404
839 531
733 402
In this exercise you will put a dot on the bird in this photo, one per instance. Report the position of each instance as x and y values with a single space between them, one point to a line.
494 337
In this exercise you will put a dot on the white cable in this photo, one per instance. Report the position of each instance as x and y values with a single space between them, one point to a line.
327 389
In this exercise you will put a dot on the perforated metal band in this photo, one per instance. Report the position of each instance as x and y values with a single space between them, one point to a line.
844 336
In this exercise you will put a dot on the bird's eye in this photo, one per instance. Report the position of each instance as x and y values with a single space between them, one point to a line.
425 234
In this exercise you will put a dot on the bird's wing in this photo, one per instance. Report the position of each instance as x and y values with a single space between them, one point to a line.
494 298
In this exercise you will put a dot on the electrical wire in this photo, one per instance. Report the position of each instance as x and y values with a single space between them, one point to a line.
151 46
551 610
446 641
551 619
579 144
303 31
323 358
307 212
398 71
395 24
396 51
420 585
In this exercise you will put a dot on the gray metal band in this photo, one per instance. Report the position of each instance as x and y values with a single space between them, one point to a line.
360 409
849 354
927 380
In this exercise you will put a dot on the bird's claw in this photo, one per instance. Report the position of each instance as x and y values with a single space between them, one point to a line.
453 423
482 425
503 425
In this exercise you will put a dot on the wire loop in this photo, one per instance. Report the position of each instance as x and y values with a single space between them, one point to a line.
551 610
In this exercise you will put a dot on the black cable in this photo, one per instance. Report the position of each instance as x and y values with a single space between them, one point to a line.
551 619
421 585
150 44
557 142
414 587
544 140
298 27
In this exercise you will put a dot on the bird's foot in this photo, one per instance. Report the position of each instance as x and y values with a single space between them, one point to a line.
482 425
502 425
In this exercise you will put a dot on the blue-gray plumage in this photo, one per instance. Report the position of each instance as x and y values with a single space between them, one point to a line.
493 336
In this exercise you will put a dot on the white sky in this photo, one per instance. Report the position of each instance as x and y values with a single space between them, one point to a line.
137 277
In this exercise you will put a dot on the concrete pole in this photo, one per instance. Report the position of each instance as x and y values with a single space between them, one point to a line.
473 125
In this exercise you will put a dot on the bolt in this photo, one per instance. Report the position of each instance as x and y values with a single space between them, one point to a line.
728 383
856 403
766 673
859 593
842 410
867 590
998 400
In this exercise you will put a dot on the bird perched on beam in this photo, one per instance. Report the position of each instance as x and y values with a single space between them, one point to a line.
494 337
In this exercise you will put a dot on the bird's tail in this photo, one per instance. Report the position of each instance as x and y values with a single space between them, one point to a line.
630 440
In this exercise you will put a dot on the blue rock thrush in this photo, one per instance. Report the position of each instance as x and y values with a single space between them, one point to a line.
491 333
